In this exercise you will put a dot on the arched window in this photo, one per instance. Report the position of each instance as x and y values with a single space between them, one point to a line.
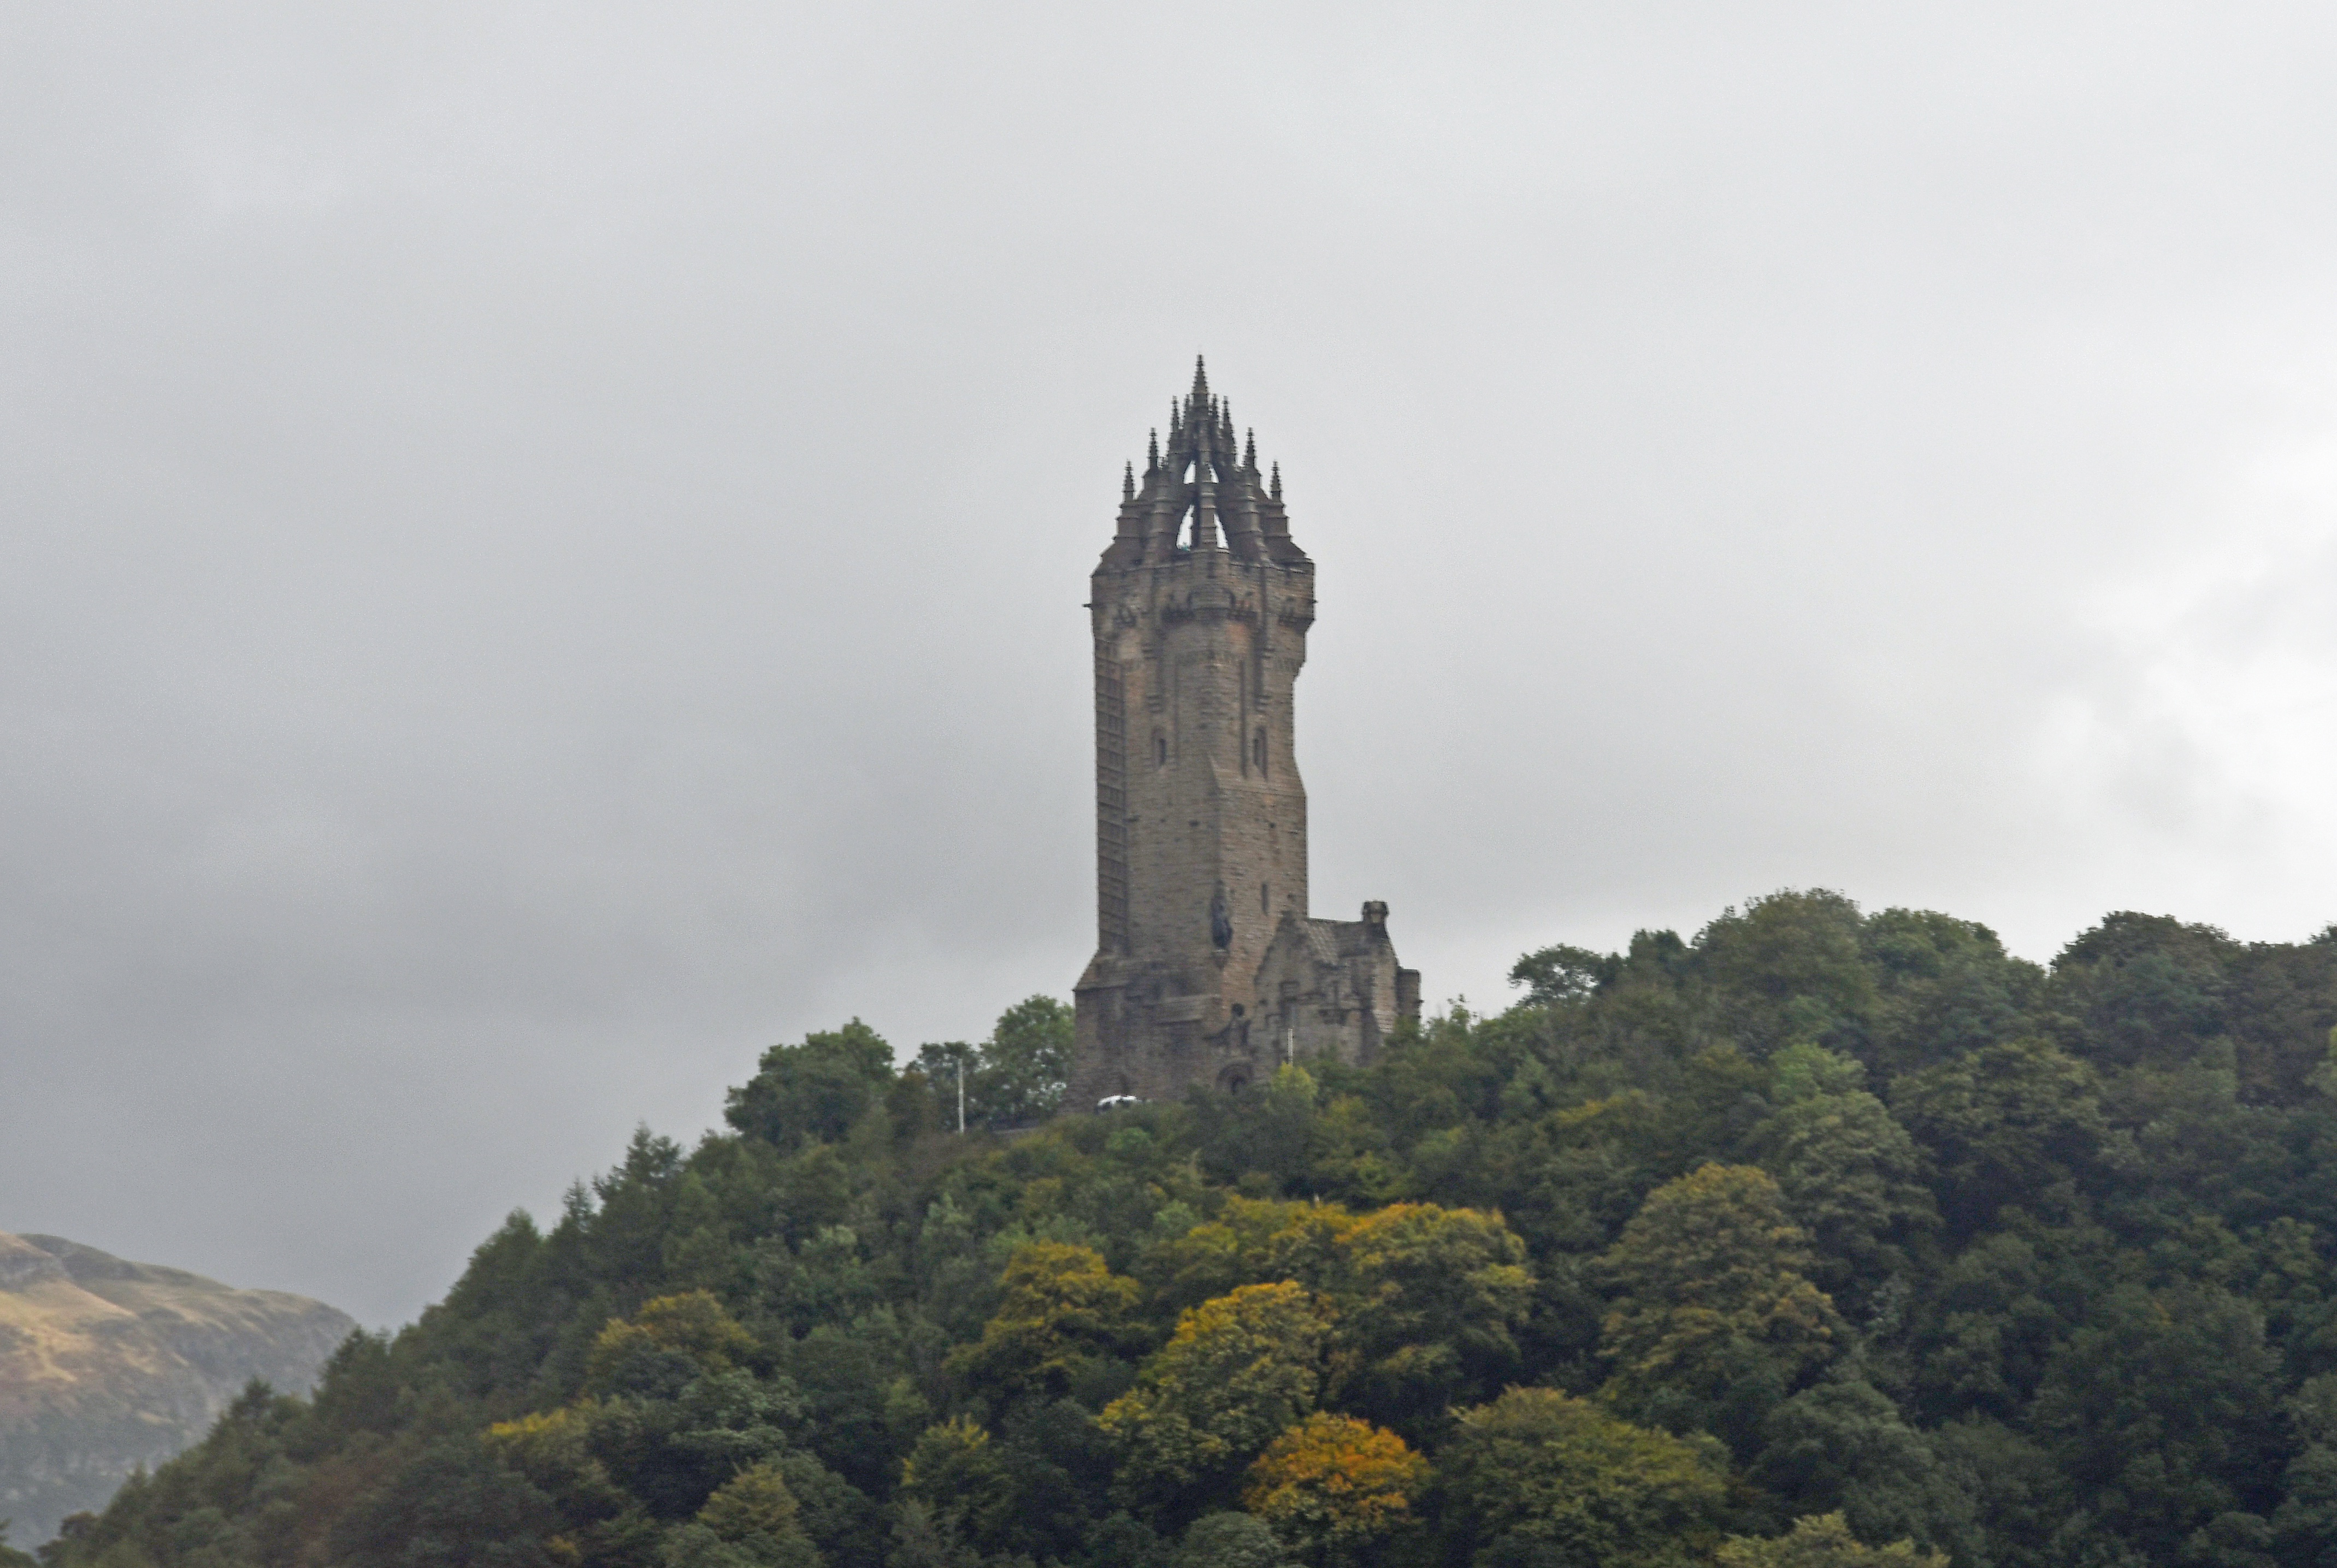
1160 749
1258 750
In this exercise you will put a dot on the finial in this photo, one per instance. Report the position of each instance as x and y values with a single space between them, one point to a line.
1176 420
1127 481
1152 456
1249 452
1276 491
1200 379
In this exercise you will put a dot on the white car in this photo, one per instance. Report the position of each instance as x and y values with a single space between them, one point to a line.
1117 1102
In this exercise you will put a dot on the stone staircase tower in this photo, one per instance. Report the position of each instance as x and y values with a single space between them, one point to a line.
1209 970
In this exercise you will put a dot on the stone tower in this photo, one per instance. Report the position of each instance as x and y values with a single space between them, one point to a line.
1208 968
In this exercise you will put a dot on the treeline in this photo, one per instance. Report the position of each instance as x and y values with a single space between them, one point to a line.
1820 1239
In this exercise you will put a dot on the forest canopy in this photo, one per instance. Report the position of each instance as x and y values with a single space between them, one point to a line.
1823 1238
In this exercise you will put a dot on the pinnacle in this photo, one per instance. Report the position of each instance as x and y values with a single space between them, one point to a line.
1200 380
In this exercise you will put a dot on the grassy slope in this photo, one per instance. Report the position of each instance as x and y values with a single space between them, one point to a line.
107 1365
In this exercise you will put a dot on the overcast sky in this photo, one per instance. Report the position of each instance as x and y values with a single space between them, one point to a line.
544 543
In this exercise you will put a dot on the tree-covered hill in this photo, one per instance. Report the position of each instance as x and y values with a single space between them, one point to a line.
1822 1239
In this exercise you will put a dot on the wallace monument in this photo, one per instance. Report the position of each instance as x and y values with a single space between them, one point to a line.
1208 968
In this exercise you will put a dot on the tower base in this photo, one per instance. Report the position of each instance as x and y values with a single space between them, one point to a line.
1153 1031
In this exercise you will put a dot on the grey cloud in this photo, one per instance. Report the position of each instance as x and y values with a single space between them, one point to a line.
544 544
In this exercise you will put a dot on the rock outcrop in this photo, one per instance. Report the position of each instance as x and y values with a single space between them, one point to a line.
106 1365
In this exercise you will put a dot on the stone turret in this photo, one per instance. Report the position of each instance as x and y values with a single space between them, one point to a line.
1208 968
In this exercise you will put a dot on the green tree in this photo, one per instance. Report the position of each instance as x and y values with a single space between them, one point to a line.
862 1402
1427 1301
2146 988
2306 1524
1792 966
553 1449
755 1514
815 1092
1237 1372
958 1475
1715 1320
1948 987
2162 1410
1262 1138
1228 1540
1027 1063
1823 1541
455 1506
920 1540
1841 1447
1980 1338
671 1452
952 1069
671 1340
2008 1123
1538 1478
1014 1078
2020 1498
841 1520
1562 974
1849 1175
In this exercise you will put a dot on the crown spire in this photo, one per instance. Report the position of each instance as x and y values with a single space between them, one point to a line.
1203 490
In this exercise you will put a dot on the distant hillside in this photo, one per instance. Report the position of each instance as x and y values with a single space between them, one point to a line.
105 1365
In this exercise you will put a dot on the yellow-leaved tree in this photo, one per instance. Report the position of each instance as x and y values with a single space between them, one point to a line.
1239 1371
691 1332
1823 1541
1062 1311
1424 1300
1333 1488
